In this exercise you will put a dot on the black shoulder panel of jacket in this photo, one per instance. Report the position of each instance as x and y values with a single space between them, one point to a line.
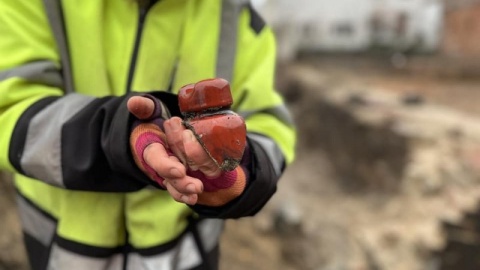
261 187
256 21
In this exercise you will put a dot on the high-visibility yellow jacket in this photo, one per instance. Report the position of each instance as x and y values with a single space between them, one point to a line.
66 71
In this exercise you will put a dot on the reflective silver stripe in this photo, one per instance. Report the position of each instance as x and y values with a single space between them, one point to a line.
280 112
55 17
35 223
271 148
42 155
228 37
210 231
61 259
44 72
165 261
186 255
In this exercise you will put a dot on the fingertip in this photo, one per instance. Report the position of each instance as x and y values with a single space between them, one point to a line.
191 188
141 107
202 188
132 104
189 199
176 123
166 124
177 173
188 136
176 119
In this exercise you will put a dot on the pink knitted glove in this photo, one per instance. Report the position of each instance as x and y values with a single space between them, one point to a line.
145 132
221 190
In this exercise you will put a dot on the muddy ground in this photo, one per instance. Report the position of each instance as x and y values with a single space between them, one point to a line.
308 193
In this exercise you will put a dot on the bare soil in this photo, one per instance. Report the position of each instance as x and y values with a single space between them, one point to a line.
308 195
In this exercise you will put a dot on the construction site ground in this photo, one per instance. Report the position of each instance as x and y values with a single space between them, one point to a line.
308 194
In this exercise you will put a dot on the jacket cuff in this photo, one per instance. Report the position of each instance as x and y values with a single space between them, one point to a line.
223 189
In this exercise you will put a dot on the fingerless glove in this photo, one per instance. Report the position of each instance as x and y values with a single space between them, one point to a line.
145 132
217 191
222 189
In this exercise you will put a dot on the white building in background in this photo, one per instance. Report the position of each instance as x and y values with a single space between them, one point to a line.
353 25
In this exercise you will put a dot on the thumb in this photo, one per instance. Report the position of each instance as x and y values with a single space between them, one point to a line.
141 107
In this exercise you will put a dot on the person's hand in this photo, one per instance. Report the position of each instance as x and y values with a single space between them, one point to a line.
219 187
153 156
175 159
187 148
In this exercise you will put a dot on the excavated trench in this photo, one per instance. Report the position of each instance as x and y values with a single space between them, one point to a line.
386 177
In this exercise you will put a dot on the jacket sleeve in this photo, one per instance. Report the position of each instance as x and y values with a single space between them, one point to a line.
271 132
71 141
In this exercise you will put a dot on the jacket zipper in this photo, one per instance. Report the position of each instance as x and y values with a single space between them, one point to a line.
143 10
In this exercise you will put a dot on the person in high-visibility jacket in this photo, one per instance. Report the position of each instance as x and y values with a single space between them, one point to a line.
89 127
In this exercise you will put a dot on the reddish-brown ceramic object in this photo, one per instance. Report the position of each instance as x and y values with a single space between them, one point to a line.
221 132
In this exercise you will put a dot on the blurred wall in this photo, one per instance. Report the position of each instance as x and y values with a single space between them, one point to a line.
352 25
462 29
